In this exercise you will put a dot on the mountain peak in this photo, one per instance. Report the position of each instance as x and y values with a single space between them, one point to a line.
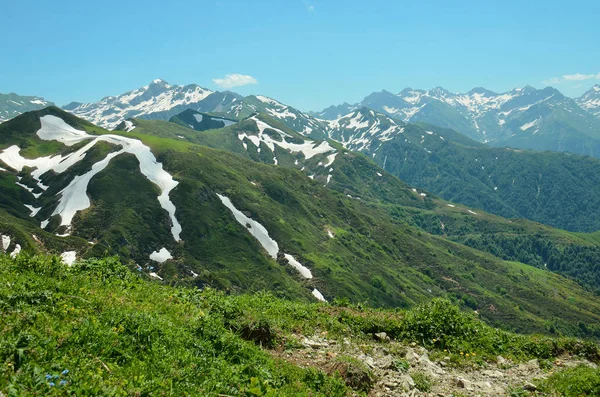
159 83
482 91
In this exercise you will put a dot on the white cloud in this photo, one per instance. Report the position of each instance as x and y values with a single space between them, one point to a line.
571 77
580 77
235 80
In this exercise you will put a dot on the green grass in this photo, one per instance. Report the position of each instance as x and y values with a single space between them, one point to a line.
118 333
573 382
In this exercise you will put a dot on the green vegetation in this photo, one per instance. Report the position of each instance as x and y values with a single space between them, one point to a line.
422 381
98 329
105 330
573 382
558 189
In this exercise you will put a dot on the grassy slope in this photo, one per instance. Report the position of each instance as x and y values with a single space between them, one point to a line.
116 333
119 335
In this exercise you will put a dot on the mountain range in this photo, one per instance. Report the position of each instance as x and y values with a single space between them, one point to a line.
524 118
256 205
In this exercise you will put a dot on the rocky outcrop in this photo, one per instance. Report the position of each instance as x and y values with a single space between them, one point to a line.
396 369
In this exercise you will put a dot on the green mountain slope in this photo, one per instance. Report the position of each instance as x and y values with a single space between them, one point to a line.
560 190
370 247
200 121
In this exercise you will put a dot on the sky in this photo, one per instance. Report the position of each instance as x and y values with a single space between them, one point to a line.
307 53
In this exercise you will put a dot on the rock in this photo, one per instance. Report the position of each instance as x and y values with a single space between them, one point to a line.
429 366
529 387
381 337
493 374
314 344
501 360
369 361
386 362
484 386
463 383
406 382
531 365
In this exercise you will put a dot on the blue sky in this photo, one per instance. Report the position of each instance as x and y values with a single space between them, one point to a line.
307 53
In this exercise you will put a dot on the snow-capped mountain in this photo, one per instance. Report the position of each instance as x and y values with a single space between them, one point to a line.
157 98
361 128
523 117
298 121
590 100
12 105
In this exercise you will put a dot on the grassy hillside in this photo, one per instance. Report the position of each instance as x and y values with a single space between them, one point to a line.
99 329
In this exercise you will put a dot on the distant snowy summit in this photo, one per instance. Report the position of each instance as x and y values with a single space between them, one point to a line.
524 117
12 105
156 97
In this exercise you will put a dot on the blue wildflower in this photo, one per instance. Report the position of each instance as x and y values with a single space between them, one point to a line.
48 376
51 384
66 371
63 382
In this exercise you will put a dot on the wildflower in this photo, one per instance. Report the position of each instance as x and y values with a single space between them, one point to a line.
445 350
461 353
66 371
434 340
51 384
473 354
48 376
467 355
63 382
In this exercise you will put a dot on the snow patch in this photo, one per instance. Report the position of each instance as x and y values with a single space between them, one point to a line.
303 270
161 256
129 126
5 242
317 294
16 251
253 227
34 210
68 257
